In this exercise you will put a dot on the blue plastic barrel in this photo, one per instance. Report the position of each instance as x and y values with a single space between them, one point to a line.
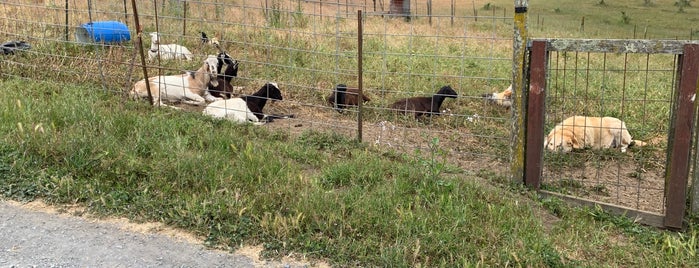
103 32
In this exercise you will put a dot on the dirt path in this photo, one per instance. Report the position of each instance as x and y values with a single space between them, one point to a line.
34 235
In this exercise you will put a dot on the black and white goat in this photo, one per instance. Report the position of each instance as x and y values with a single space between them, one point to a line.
246 108
210 41
166 52
343 97
424 105
224 89
503 98
190 87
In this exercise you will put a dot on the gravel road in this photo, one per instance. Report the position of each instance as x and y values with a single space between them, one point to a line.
36 236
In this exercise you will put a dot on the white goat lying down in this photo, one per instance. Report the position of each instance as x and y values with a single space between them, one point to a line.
190 87
503 98
246 108
166 52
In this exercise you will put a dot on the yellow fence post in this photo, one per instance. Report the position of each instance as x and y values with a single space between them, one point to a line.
519 111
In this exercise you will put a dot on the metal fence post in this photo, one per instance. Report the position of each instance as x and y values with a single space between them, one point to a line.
184 18
89 10
139 41
126 14
66 35
359 75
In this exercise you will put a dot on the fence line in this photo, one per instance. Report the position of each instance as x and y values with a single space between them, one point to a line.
307 53
309 47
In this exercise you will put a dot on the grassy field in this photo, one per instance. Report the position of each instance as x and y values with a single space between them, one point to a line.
319 193
624 19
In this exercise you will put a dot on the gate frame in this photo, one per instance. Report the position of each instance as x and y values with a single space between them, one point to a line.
679 136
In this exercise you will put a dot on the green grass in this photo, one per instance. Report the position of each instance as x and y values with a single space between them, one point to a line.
320 194
621 19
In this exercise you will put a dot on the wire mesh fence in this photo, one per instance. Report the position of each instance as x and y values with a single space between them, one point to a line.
307 48
636 88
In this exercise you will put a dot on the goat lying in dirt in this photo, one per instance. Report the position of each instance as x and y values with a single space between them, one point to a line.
503 98
343 97
166 52
190 87
247 108
424 105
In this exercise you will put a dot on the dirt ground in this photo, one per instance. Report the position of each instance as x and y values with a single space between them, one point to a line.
622 181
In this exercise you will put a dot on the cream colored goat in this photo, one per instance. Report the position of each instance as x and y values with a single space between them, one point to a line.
166 52
190 87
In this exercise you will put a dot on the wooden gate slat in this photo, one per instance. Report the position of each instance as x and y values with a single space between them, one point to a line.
676 192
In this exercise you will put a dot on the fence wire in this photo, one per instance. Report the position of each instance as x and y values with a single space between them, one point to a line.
307 47
636 88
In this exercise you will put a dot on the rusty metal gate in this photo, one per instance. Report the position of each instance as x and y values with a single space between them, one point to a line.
648 84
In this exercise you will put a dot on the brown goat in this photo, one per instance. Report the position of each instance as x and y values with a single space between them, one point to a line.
343 97
424 105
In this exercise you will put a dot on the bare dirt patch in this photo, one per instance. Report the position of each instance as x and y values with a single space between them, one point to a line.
629 180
